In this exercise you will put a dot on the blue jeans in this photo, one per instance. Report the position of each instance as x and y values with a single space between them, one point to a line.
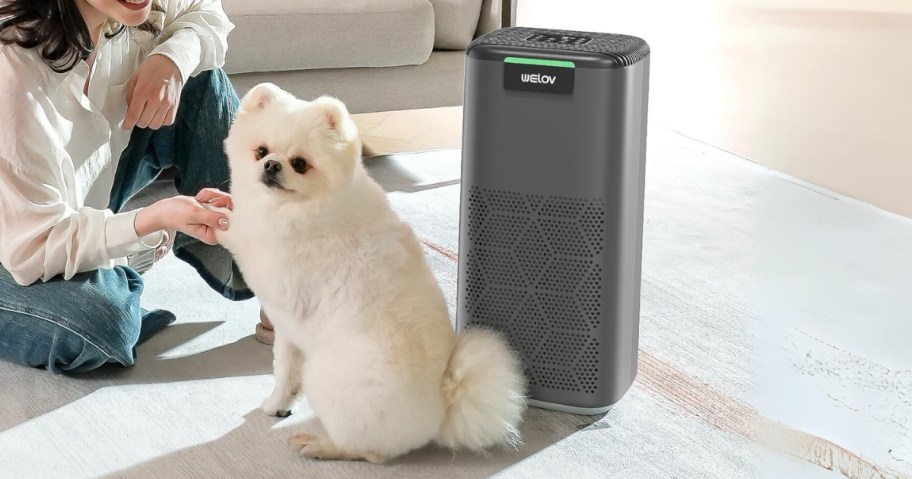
95 318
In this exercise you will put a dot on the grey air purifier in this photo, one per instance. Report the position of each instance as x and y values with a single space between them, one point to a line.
551 214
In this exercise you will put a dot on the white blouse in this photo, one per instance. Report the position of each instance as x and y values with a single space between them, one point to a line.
59 148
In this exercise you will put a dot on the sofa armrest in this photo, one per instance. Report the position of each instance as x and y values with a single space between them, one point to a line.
496 14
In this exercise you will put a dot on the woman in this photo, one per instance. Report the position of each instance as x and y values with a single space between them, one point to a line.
99 96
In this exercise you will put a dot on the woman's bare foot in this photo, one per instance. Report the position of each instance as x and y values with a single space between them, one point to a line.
264 332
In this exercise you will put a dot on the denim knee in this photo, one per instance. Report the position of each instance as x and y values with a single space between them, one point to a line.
109 320
117 315
73 325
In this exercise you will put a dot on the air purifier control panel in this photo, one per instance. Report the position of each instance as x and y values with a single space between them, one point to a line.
559 39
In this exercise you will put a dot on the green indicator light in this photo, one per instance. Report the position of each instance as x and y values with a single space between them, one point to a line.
536 61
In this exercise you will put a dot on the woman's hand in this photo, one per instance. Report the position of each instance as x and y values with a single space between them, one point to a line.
181 213
215 197
153 94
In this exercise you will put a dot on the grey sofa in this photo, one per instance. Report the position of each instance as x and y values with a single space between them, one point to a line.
375 55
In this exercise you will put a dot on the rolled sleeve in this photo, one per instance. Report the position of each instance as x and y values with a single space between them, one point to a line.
194 36
183 48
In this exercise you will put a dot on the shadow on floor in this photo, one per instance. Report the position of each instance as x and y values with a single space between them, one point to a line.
258 448
244 357
414 172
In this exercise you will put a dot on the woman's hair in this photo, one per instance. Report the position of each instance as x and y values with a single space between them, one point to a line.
55 28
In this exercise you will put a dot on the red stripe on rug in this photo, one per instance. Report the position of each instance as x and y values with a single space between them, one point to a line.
440 249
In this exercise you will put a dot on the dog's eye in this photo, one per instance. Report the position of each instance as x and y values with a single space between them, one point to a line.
299 165
261 152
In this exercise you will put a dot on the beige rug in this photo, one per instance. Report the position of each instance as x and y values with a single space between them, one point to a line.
700 407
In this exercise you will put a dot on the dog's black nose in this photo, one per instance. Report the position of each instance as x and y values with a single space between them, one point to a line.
272 167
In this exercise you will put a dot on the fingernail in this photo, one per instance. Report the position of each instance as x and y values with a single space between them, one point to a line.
223 222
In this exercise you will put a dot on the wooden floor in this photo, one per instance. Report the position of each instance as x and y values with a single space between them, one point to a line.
411 130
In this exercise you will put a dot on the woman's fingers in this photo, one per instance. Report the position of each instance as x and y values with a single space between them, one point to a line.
148 114
134 111
211 219
208 194
159 119
170 116
172 111
153 93
207 235
205 195
203 233
191 216
223 202
215 197
130 86
204 226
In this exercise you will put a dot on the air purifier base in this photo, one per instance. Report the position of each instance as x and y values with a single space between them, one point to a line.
585 411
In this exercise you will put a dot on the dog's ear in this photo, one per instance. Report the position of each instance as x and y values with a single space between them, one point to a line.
337 117
259 96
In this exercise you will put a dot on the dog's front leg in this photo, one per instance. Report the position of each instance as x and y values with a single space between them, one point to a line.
288 360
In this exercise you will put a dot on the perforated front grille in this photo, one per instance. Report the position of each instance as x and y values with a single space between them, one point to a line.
533 271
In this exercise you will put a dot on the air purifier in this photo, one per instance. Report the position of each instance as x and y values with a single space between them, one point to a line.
551 209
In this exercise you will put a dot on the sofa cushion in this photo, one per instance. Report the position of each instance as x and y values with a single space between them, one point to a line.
455 23
491 17
282 35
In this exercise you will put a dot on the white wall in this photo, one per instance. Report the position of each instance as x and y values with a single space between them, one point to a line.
821 90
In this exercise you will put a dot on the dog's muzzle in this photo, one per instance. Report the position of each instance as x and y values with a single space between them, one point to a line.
270 176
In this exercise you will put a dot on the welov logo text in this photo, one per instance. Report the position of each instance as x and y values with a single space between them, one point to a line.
538 78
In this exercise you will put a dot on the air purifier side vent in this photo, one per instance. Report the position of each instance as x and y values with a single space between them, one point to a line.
534 272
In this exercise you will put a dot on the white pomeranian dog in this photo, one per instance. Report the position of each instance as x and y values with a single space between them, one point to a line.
361 325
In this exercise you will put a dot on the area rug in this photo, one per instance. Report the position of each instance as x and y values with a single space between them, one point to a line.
189 407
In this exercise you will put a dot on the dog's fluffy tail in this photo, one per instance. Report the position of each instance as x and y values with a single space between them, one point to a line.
484 388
